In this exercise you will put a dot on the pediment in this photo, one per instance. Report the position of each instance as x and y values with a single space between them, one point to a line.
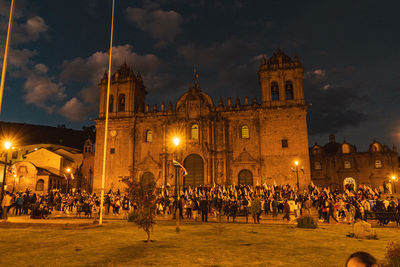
149 160
245 157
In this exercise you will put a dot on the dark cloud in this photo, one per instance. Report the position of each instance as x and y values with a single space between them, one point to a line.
334 107
219 55
161 24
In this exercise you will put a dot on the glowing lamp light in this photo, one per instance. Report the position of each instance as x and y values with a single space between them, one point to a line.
176 141
7 145
393 177
296 163
68 170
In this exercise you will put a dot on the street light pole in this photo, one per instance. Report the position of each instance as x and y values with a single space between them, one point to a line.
176 142
297 174
4 177
7 146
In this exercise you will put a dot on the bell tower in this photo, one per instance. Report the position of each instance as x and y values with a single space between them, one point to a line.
127 93
281 80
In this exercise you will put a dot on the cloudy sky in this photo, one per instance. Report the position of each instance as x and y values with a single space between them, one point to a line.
350 51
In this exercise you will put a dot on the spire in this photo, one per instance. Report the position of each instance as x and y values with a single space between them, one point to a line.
263 60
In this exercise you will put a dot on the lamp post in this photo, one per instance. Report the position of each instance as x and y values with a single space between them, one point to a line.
7 145
68 171
393 180
297 173
176 141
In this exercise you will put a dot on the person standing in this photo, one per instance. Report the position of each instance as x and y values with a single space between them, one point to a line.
204 209
286 210
19 202
5 204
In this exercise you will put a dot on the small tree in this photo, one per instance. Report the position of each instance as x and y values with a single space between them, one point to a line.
143 194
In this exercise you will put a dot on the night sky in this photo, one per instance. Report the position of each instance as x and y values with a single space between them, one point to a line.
350 51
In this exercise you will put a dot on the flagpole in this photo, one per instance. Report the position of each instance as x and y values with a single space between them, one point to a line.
103 172
3 73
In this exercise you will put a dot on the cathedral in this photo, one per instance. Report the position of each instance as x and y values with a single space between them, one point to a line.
197 142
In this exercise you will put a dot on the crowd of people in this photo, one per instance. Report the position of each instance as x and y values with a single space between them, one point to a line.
230 201
74 203
233 201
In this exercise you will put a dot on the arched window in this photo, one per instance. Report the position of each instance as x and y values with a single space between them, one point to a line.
289 90
111 104
121 103
317 165
376 147
244 133
345 149
347 164
40 185
149 136
378 164
194 132
274 91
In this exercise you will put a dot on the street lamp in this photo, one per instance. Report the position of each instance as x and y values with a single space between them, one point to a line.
7 145
68 170
296 163
176 141
393 177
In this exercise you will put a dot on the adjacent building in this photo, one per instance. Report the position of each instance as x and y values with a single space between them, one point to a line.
340 164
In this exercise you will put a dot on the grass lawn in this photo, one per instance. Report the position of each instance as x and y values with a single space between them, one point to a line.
119 243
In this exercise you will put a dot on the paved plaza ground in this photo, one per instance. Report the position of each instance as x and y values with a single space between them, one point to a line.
76 242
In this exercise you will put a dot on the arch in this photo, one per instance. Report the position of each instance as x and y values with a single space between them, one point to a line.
195 168
194 132
245 133
146 178
111 104
149 136
245 177
349 183
345 148
274 91
121 103
40 185
289 90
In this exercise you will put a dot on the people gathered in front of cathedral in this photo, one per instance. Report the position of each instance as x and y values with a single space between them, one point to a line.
230 202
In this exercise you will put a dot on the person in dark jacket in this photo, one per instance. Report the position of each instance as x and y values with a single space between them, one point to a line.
204 209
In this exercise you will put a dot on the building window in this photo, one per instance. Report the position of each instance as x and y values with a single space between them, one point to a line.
111 104
289 90
112 150
285 143
317 165
149 136
121 103
245 134
378 164
345 149
347 164
15 154
274 91
194 132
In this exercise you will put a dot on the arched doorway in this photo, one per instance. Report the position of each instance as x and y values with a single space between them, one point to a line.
349 183
146 178
40 185
245 177
195 168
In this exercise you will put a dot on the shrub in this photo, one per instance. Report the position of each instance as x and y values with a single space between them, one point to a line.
307 222
393 254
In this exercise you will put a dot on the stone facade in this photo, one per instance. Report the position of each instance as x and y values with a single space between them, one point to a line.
336 164
246 143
